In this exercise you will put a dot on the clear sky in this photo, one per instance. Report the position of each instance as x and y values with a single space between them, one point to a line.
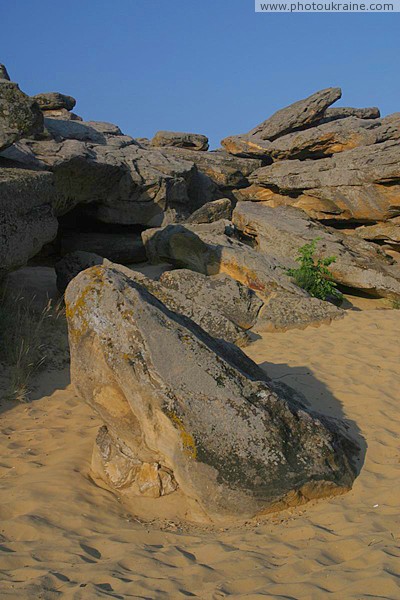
206 66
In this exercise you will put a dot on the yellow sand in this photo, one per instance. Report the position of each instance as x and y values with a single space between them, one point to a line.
62 537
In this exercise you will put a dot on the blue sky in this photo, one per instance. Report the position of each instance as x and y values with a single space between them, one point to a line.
207 66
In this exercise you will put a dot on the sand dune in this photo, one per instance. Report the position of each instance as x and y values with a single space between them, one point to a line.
62 537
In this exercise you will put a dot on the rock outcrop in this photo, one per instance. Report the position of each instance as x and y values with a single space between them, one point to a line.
210 250
212 211
54 101
27 219
230 448
192 141
20 116
361 185
280 232
299 115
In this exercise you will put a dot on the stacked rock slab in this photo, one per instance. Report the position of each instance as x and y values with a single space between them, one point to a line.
230 448
209 250
281 231
361 185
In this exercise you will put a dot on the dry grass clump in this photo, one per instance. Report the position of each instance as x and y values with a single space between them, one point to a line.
31 338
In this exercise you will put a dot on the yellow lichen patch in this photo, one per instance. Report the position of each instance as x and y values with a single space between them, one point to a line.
188 443
75 311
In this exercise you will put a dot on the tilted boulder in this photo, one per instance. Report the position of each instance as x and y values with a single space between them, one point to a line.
27 219
191 424
192 141
20 116
362 184
299 115
281 231
54 101
207 249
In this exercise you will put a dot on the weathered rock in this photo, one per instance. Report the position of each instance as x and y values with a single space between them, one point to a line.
361 184
212 211
208 250
54 101
124 248
320 141
176 400
387 232
4 73
225 170
192 141
299 115
70 265
341 112
19 115
229 321
63 114
285 310
125 184
223 294
280 232
27 220
248 146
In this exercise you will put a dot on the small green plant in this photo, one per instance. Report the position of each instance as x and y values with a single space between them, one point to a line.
313 274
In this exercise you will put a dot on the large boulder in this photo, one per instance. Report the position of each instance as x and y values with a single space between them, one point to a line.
192 141
192 426
209 250
280 232
20 116
54 101
299 115
27 220
362 184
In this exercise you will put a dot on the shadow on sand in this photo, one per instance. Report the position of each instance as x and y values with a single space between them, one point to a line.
318 397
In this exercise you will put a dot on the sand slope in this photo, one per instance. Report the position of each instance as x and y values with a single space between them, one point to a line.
61 537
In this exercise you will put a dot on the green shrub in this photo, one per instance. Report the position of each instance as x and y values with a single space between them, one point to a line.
313 274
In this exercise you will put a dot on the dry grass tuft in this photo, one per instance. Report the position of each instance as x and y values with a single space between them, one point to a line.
31 339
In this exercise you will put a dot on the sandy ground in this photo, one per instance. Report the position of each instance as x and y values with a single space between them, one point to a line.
62 537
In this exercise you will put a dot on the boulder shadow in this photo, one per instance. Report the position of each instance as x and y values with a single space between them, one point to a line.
318 397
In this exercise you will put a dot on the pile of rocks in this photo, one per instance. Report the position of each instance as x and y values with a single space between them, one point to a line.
186 413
